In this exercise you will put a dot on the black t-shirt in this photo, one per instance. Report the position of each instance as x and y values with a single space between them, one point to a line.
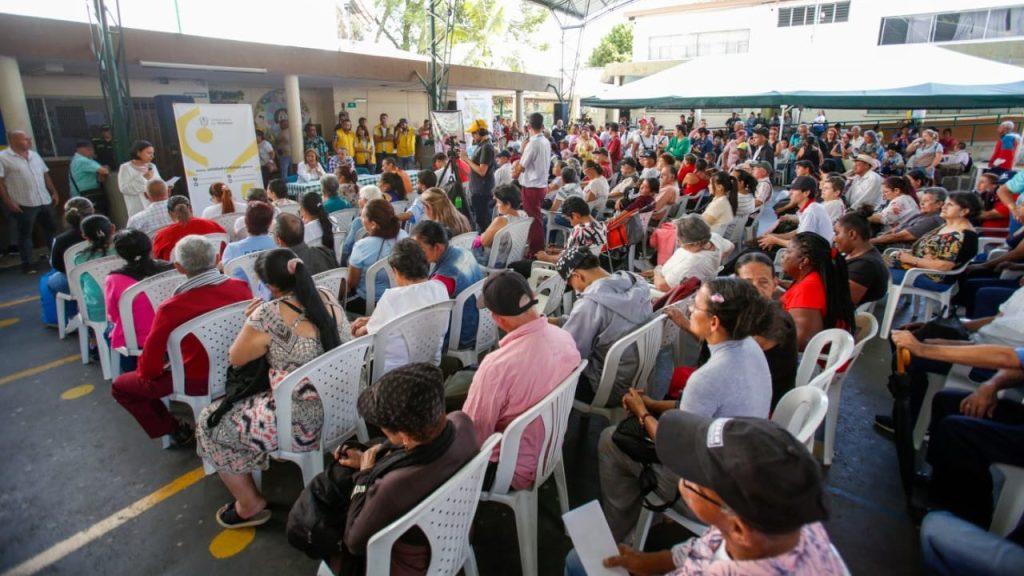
61 243
782 358
869 270
484 154
558 134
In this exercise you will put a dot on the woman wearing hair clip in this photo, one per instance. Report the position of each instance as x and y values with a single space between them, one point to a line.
300 323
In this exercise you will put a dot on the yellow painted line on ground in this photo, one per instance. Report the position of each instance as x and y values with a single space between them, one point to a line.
231 542
42 368
62 549
77 392
8 322
24 300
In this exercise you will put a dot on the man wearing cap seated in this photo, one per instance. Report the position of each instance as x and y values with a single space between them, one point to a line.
532 359
758 489
760 149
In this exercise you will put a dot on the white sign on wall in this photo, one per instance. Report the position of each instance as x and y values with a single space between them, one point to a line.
475 105
218 144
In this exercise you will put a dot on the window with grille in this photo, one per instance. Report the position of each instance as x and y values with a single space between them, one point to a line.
827 13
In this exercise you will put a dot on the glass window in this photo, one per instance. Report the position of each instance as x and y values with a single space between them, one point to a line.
894 31
1004 22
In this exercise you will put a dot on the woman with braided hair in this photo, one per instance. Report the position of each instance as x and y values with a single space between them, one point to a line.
300 323
819 297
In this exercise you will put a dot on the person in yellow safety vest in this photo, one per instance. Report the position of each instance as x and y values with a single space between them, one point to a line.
344 137
406 139
383 139
364 150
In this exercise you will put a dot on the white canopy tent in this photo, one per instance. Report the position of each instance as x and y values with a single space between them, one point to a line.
903 76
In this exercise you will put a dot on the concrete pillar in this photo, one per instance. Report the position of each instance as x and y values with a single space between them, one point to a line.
291 94
520 109
13 104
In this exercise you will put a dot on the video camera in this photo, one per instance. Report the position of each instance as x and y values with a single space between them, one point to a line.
452 144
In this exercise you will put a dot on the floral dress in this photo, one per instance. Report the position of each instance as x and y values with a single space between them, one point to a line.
243 440
955 246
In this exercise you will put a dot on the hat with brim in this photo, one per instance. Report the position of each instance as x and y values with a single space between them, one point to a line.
866 159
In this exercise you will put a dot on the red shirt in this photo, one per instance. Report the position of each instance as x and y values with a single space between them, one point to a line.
808 292
174 312
684 170
1003 222
702 183
615 150
168 236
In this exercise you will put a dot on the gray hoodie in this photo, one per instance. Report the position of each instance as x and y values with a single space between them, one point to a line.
606 311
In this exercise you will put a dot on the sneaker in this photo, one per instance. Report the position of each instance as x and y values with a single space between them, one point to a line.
184 436
883 422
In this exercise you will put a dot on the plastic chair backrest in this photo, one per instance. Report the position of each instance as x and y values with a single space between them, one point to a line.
840 349
445 517
343 219
98 270
219 239
647 339
227 221
801 411
331 280
215 330
71 253
423 331
464 241
337 377
553 410
371 282
555 290
515 236
157 289
867 328
486 330
247 264
400 206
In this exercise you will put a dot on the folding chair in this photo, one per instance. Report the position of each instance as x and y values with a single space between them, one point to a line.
486 330
65 325
98 270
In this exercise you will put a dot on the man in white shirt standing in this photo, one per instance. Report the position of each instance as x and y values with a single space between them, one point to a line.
532 173
865 185
27 192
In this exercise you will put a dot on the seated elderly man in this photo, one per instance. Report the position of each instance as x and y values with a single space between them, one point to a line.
155 216
925 221
865 184
205 289
289 232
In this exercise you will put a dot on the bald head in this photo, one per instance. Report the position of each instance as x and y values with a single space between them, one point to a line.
288 229
18 140
156 190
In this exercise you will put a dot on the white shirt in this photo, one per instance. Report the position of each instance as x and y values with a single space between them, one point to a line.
815 219
213 210
535 163
25 179
719 209
266 150
399 300
152 218
307 174
703 265
599 186
313 232
1008 328
866 189
835 209
503 175
132 182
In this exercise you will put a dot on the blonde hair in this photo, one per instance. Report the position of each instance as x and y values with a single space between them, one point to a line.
444 211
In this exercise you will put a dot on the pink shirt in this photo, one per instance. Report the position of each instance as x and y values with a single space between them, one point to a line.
142 310
812 556
529 363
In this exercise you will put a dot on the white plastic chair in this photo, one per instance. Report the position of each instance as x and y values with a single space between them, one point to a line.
553 411
800 412
515 237
464 241
337 376
551 226
343 219
1010 505
486 330
98 270
247 264
216 331
228 221
548 288
907 288
423 331
400 206
647 339
332 280
65 325
840 348
219 240
445 517
371 282
157 289
867 328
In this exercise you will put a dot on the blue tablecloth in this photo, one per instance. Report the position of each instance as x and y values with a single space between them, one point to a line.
297 189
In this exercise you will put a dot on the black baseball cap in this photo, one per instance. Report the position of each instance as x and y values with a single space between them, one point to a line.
570 260
804 183
648 154
761 472
506 293
505 154
761 130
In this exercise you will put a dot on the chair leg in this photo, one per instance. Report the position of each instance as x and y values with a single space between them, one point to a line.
257 478
890 311
103 351
563 489
470 568
115 364
525 508
62 320
935 383
835 392
83 343
208 468
1010 505
643 526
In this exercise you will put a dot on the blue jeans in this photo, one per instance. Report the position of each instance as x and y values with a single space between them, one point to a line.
26 220
950 546
58 283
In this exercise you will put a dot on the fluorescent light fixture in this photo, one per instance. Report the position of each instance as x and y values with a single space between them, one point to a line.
360 100
205 67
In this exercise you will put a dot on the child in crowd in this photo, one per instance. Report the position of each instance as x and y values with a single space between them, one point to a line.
832 197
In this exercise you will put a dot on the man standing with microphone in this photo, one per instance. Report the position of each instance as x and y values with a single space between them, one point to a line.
532 172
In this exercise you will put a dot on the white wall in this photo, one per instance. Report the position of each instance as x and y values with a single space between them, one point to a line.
397 104
83 87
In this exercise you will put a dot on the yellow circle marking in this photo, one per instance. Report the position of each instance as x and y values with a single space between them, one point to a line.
77 392
204 135
231 542
8 322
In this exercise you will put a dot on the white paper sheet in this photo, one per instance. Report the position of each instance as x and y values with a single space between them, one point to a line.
592 539
172 181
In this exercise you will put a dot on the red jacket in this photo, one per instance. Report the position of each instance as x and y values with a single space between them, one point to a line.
174 312
168 236
615 150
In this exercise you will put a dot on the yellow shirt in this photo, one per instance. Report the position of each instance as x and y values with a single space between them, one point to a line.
407 143
346 139
384 139
363 153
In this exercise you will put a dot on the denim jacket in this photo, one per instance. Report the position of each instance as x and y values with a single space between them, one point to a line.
461 266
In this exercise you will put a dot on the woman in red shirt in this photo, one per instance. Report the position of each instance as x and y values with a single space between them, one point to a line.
819 297
184 224
697 181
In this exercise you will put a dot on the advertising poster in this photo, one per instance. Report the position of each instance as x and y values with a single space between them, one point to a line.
473 105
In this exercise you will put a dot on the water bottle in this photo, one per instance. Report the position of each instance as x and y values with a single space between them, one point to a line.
458 202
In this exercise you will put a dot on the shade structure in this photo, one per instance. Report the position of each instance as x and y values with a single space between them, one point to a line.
905 76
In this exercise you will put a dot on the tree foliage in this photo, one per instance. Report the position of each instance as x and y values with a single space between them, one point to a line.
616 46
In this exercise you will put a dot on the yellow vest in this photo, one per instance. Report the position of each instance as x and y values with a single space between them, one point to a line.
345 139
384 139
407 143
363 153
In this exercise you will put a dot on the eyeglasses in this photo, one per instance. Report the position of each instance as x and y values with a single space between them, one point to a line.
691 487
693 307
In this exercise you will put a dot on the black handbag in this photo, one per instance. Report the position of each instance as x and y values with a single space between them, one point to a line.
316 522
248 380
631 437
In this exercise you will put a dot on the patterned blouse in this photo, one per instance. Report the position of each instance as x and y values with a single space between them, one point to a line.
706 556
952 246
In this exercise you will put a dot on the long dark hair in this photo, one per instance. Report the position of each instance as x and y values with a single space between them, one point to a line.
138 146
382 213
97 230
272 267
312 203
740 308
830 264
135 247
749 182
729 183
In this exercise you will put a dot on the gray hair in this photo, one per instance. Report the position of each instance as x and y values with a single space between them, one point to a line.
195 254
1008 124
370 192
692 229
329 185
938 192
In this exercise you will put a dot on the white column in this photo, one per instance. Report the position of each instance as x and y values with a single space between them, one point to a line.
520 109
291 94
13 104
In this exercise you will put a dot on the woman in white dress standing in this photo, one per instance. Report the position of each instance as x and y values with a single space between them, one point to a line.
135 174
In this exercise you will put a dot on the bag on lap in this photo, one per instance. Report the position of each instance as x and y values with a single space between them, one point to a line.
248 380
631 437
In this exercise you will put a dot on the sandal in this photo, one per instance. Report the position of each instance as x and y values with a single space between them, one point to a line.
228 517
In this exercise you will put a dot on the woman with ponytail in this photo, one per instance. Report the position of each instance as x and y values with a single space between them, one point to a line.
319 227
724 202
819 297
222 202
135 248
75 210
300 323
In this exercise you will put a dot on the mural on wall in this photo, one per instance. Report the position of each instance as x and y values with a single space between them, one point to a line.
271 109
